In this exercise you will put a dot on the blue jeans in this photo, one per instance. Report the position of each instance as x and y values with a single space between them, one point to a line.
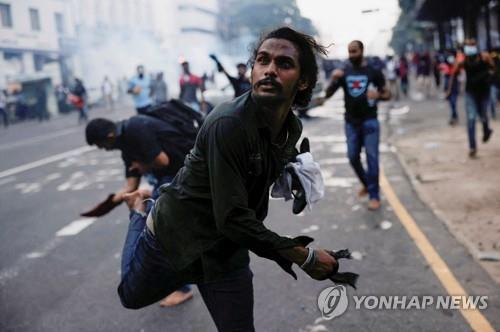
493 100
452 99
147 277
476 106
366 134
157 183
133 248
83 114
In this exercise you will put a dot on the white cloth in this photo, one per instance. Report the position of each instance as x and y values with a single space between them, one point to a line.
309 174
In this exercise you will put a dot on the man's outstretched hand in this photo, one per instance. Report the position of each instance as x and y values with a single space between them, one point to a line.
135 199
219 65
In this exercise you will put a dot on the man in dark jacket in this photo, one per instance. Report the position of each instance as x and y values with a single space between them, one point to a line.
241 83
78 97
479 69
204 223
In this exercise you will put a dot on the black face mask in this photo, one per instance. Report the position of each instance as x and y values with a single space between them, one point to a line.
355 61
141 76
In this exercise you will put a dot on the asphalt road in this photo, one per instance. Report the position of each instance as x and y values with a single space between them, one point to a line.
59 272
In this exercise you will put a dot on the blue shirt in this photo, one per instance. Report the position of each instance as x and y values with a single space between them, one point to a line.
143 98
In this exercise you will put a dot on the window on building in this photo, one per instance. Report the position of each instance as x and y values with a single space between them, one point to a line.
35 19
39 61
14 60
5 15
59 23
8 56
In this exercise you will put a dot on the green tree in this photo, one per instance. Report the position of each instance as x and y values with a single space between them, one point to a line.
243 17
405 30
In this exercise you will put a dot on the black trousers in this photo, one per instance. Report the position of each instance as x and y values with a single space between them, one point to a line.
230 301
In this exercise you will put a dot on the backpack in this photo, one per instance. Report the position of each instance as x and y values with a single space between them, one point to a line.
180 116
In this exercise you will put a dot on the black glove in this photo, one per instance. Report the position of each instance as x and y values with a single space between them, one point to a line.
347 278
299 202
219 65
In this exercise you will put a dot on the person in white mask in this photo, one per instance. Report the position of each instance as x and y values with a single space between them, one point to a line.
478 69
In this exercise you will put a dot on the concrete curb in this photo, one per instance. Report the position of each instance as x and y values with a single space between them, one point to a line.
438 213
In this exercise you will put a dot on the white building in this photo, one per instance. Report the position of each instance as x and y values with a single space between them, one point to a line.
58 39
187 31
114 36
33 35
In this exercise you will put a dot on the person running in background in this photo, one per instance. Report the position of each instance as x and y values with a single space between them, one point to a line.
78 97
140 88
107 93
437 60
363 86
448 70
3 108
189 86
424 69
495 84
391 76
403 74
240 84
160 90
478 70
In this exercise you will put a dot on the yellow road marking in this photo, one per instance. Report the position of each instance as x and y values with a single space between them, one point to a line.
474 317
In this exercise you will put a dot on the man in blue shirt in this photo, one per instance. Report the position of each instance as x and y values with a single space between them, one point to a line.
140 88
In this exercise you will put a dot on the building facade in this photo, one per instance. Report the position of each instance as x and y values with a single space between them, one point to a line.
57 40
33 34
114 36
455 20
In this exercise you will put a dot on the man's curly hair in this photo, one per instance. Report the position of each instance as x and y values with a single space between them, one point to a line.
308 49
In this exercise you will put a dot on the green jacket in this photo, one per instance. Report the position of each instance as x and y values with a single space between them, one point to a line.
213 211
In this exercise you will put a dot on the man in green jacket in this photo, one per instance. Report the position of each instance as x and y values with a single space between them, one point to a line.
206 220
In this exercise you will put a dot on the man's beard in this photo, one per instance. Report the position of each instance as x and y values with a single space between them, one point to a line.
274 100
356 61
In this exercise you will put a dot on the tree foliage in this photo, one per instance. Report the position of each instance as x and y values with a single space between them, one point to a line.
243 17
405 30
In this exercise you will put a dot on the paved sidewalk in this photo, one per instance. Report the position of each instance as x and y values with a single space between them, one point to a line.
463 192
